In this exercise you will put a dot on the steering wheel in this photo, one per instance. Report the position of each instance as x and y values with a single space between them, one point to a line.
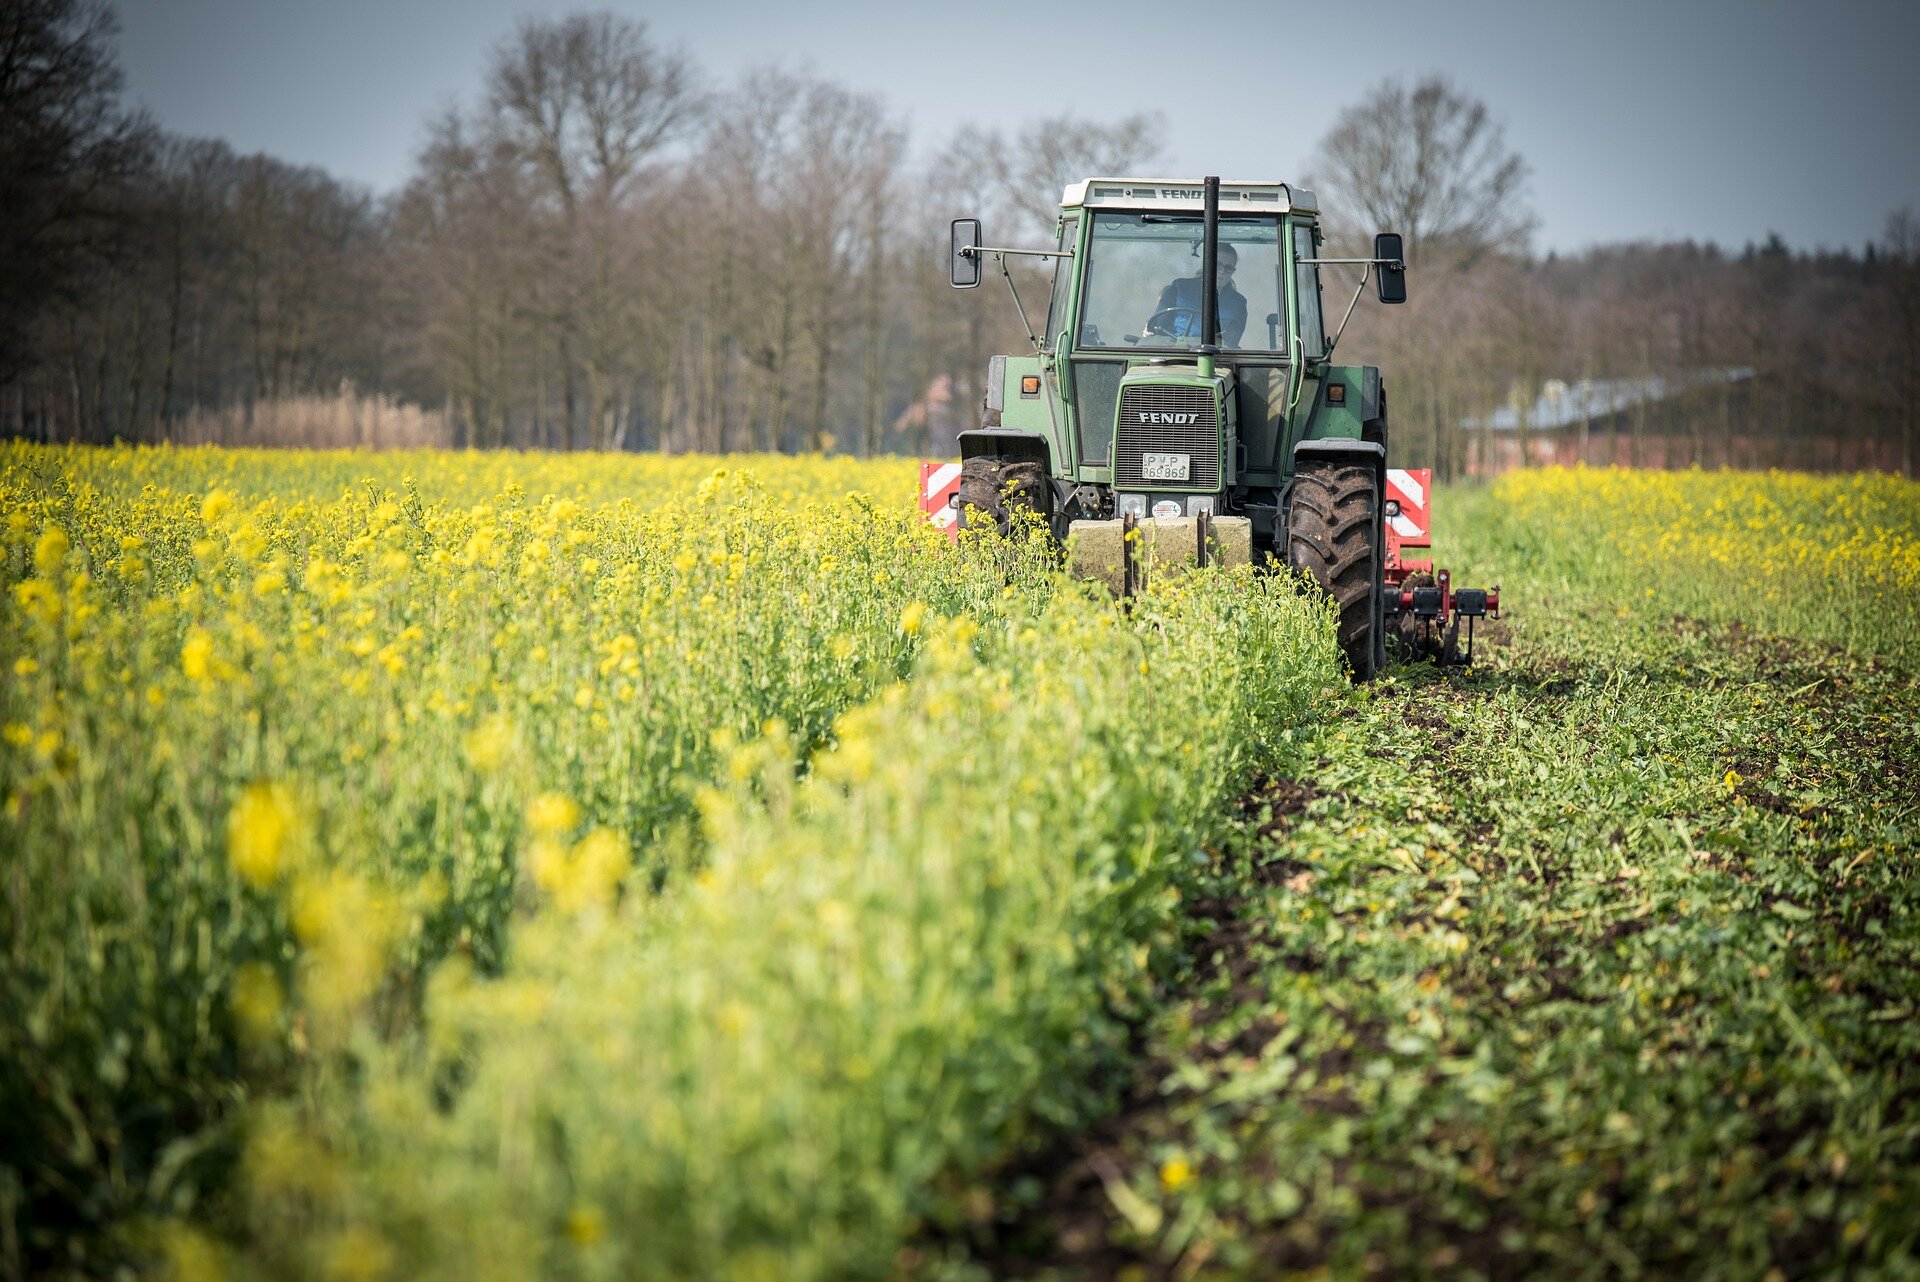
1162 322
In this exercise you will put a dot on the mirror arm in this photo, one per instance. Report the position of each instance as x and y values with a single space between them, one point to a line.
1000 256
974 251
1353 302
1366 266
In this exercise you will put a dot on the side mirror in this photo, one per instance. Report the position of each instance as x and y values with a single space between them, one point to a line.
964 253
1391 283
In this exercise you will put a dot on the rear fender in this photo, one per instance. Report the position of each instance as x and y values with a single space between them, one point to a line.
1007 443
1341 449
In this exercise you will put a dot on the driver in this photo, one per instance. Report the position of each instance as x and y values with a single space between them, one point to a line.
1178 312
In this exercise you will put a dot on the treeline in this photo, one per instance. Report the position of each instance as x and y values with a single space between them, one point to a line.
1642 354
1659 355
602 251
606 249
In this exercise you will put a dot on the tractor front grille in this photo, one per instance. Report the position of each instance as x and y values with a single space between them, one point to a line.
1167 420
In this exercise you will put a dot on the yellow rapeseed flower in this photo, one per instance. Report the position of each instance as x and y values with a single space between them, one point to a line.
346 925
551 814
258 829
1175 1174
599 863
196 655
39 598
488 744
50 553
281 1158
913 617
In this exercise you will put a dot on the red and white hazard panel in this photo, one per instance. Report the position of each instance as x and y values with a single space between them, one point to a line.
1408 519
939 482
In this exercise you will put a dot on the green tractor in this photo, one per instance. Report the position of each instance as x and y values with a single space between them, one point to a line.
1182 401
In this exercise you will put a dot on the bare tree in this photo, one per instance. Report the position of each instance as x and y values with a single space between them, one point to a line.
845 152
1430 163
586 102
64 144
470 292
1029 170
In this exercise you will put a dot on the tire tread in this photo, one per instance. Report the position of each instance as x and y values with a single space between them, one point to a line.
1331 519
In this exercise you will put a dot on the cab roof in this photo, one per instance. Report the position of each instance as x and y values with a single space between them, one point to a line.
1185 193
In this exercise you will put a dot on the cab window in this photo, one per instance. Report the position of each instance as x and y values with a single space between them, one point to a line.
1306 281
1062 285
1142 282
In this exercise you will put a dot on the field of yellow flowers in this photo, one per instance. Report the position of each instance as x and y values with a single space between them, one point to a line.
468 866
1830 558
429 873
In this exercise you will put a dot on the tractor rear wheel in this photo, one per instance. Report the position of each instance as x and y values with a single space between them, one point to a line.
996 489
1333 532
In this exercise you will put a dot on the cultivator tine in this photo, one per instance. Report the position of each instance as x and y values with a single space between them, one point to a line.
1128 529
1200 541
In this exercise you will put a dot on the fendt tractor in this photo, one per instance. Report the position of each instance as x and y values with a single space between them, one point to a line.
1182 406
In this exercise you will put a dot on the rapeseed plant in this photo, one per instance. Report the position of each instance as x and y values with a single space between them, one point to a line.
1832 558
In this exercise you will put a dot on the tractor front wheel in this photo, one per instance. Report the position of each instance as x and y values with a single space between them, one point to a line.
1333 532
996 490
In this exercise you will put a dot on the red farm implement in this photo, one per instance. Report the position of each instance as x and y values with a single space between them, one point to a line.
1423 608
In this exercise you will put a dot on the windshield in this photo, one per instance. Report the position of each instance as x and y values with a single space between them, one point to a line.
1143 286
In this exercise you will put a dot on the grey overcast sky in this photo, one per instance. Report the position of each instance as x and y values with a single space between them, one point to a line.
1712 119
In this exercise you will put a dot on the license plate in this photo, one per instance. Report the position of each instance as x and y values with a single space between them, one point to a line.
1165 467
